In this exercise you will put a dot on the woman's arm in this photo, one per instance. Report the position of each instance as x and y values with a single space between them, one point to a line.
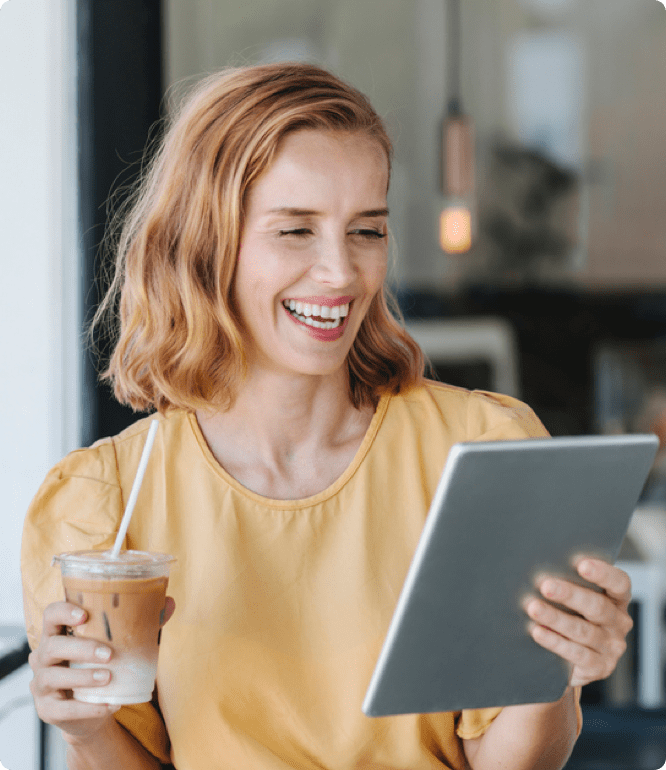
537 736
108 749
591 638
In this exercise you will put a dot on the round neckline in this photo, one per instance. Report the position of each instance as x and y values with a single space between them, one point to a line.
305 502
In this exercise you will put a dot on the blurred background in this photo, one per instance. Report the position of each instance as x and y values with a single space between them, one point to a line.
527 209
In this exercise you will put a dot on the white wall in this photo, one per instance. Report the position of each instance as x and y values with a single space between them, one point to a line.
39 378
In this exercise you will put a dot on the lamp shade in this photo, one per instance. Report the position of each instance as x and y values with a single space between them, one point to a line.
458 156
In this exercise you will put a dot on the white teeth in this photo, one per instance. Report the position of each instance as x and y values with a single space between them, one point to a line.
311 321
318 324
307 313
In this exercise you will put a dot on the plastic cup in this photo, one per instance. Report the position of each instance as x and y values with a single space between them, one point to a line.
125 600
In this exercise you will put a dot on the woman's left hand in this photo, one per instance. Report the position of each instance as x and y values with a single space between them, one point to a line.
593 640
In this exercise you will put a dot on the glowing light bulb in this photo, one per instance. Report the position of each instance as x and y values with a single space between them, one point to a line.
455 229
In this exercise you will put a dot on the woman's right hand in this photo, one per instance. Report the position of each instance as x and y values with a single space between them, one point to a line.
54 680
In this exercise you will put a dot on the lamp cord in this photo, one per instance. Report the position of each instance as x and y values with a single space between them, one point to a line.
453 30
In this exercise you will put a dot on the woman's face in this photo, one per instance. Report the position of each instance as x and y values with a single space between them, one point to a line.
313 251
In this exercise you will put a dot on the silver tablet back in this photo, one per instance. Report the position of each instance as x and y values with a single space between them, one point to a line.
503 512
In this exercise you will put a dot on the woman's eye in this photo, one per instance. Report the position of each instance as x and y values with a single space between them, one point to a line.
296 231
369 234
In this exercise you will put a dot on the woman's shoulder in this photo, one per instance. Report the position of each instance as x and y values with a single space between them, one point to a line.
474 414
81 499
102 460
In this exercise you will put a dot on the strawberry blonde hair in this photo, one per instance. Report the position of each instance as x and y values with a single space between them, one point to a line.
178 338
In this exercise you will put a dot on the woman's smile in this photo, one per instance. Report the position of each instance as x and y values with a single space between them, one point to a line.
326 314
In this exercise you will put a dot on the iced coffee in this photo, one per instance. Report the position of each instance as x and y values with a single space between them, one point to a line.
125 600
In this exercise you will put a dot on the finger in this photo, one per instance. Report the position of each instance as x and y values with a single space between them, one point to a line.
67 710
59 678
64 649
568 626
575 654
595 607
59 615
169 609
586 664
615 582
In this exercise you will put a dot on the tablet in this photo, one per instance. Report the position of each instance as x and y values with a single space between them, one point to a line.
503 512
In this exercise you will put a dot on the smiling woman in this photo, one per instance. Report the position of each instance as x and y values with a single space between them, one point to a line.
298 451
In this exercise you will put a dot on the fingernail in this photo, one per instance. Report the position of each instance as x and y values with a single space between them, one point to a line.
113 707
103 653
550 588
533 608
586 569
100 676
78 614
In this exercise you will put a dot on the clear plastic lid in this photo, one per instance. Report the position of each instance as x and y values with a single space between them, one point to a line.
128 564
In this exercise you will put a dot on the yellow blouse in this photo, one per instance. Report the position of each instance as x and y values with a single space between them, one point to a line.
281 605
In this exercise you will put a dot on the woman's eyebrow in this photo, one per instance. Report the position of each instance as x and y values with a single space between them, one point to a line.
296 212
374 213
290 211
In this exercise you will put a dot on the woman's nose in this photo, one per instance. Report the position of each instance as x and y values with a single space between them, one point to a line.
334 265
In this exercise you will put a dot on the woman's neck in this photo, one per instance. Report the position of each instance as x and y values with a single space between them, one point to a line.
287 437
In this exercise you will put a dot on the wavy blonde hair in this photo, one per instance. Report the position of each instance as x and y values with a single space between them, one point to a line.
178 340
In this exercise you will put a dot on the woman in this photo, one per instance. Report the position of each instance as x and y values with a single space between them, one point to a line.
297 453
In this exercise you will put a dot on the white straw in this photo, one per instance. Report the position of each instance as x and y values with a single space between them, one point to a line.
124 524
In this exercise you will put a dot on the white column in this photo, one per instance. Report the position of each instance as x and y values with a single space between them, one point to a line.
39 302
39 310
